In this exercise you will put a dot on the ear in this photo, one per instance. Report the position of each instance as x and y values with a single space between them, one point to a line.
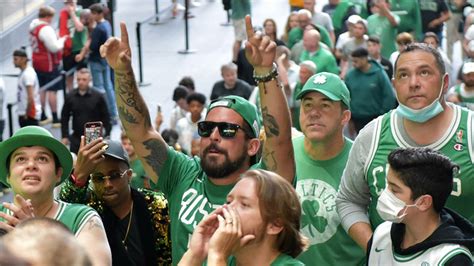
346 117
274 228
129 175
253 146
425 203
59 173
445 83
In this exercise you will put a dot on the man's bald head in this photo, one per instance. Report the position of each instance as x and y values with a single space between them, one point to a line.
311 40
304 17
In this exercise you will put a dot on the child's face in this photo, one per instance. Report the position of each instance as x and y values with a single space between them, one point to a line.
399 189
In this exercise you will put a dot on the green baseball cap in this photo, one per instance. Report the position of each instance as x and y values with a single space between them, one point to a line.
328 84
34 136
244 108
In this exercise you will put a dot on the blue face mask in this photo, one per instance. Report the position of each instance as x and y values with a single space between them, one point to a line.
424 114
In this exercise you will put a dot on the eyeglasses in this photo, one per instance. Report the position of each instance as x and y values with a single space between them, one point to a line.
99 177
226 130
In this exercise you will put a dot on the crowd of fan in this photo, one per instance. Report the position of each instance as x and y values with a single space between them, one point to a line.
341 68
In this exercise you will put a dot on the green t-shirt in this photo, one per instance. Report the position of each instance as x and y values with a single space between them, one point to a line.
79 39
296 34
139 177
191 196
316 185
240 8
73 216
410 16
281 260
380 26
324 60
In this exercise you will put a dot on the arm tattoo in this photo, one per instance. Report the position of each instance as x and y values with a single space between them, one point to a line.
130 97
124 114
269 159
158 154
94 223
271 126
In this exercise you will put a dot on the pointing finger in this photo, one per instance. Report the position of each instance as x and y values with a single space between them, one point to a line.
124 33
249 27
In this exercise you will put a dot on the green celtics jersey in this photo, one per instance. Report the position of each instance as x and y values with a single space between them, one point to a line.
456 143
73 216
466 98
316 185
191 196
281 260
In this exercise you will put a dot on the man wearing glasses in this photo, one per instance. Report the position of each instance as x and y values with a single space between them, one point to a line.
229 138
136 221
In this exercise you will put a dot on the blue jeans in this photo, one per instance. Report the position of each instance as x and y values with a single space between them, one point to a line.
101 79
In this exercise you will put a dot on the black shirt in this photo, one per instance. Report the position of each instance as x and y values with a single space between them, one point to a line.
84 108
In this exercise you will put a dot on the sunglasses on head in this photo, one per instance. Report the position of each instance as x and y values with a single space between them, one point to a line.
99 177
226 130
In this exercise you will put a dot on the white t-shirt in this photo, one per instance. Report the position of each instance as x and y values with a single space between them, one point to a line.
28 78
187 130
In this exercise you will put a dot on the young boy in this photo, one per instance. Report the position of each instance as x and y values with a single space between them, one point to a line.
419 230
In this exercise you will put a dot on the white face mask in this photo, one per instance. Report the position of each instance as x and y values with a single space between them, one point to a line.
389 207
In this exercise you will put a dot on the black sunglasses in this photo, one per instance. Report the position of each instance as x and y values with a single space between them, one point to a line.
226 130
99 177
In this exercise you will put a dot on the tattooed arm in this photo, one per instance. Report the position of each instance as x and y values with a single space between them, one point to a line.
133 112
278 148
94 240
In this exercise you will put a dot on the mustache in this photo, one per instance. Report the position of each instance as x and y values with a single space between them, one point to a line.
214 146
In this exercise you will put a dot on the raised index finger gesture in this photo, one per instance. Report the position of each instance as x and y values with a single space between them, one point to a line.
117 51
260 49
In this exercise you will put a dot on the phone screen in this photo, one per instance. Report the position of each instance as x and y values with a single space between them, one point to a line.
92 131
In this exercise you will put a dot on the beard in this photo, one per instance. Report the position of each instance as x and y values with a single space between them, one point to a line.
222 170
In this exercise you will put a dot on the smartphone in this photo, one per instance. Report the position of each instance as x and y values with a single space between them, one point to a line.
158 108
92 131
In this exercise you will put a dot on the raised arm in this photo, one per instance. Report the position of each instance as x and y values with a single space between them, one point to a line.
277 149
133 112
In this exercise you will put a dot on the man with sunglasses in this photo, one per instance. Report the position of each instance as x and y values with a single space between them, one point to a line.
229 138
136 221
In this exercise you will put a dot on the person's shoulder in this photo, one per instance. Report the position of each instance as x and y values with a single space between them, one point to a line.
156 198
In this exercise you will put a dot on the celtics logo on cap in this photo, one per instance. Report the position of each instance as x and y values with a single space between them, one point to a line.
320 79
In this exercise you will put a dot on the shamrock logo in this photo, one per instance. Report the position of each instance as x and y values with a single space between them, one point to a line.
310 218
320 79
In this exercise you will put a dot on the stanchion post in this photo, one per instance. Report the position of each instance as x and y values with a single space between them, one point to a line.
10 119
186 30
157 11
139 44
64 76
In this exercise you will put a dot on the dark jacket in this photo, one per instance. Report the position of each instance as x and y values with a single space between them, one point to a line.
151 214
454 229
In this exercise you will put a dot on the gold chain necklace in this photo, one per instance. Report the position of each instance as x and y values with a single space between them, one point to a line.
128 227
49 209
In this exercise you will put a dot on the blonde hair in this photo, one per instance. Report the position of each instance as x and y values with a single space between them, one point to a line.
279 204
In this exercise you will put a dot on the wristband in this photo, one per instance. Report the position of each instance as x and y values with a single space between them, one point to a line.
76 182
268 77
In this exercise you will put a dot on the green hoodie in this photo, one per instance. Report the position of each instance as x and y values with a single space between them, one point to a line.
371 92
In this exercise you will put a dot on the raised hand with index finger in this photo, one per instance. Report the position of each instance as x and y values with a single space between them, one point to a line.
117 51
259 49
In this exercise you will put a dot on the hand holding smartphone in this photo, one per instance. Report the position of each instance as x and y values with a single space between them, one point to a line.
92 131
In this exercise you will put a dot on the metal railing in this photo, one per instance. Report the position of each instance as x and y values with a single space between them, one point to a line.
60 78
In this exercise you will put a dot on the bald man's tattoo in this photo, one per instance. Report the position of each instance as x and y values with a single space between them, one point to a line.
271 126
158 154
